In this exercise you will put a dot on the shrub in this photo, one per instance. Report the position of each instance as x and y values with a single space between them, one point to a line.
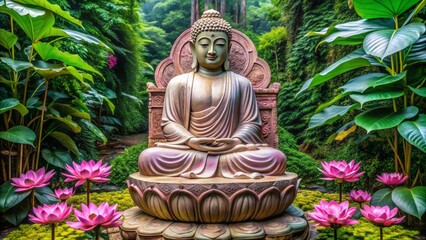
297 161
125 164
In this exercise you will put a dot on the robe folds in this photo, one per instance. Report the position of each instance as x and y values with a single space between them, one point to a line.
235 116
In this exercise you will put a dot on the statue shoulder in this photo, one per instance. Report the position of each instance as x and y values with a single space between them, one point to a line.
243 81
179 79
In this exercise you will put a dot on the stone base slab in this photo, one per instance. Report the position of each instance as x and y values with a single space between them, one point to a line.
140 226
213 200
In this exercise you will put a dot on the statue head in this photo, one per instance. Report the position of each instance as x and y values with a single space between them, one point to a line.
210 41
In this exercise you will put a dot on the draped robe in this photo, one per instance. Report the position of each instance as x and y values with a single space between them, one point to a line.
235 116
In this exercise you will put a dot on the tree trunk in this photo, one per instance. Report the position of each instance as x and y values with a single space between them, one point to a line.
215 5
206 5
223 7
197 9
193 12
236 12
243 13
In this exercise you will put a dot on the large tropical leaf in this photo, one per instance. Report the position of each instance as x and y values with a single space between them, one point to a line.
95 130
415 132
34 27
51 7
351 61
417 52
366 81
351 33
419 91
57 158
44 195
386 42
66 121
49 70
382 197
57 32
69 110
375 95
7 39
12 103
19 134
21 9
370 9
66 141
411 201
48 52
18 213
384 118
330 114
10 198
16 65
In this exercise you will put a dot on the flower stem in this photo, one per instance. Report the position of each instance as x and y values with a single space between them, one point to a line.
340 192
381 233
97 233
32 198
88 192
335 233
53 231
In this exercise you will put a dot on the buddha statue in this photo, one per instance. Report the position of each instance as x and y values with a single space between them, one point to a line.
210 118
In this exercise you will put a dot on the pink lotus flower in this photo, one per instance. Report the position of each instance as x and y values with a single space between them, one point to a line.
93 216
333 214
381 216
50 214
360 196
63 194
95 172
341 171
392 179
29 180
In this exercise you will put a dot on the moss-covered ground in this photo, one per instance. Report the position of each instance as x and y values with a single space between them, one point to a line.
305 200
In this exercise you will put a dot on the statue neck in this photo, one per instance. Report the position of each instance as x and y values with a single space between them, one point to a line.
210 72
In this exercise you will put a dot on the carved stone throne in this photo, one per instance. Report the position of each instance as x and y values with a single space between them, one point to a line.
214 208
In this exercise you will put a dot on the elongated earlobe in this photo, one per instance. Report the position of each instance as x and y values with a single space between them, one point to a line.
194 64
226 65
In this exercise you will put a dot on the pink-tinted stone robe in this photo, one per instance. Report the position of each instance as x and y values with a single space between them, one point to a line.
235 116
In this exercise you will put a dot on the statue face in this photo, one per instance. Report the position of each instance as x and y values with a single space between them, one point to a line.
211 49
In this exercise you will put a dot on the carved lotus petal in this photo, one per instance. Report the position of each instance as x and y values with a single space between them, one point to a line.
288 194
269 203
137 196
183 205
243 205
158 205
214 207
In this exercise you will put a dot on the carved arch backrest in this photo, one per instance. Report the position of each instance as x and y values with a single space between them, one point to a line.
243 60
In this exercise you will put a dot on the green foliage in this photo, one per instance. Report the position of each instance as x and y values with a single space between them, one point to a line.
42 232
126 164
298 162
391 101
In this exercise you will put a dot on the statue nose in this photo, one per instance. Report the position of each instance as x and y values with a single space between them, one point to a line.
211 51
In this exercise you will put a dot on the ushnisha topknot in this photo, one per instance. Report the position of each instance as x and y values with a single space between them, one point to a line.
211 21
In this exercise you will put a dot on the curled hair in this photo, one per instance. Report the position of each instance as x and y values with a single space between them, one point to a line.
211 21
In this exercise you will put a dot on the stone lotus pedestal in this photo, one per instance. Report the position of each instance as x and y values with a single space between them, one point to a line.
214 208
